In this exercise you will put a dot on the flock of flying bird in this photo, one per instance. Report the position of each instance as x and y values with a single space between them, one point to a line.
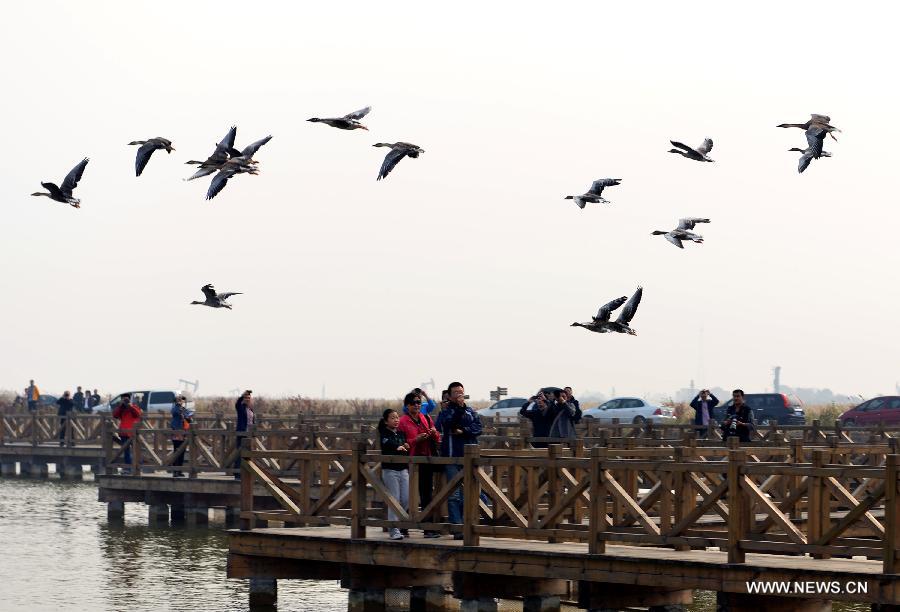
816 129
226 162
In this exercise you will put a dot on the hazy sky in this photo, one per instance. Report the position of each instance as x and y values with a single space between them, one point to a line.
465 263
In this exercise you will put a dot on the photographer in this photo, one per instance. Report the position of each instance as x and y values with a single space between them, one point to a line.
128 414
537 410
424 441
738 418
428 405
244 409
703 405
566 415
181 422
459 425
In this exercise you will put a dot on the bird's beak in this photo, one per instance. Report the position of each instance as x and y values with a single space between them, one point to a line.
77 205
364 128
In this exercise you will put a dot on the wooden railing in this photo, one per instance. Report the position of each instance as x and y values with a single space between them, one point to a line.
772 501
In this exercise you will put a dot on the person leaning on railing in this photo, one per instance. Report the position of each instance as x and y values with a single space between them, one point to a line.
395 476
424 441
181 422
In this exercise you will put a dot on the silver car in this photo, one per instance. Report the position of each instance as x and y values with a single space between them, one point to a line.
630 410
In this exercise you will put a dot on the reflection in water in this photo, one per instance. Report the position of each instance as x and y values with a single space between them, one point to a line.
59 553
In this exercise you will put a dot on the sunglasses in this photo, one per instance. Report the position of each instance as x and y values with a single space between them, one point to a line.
417 403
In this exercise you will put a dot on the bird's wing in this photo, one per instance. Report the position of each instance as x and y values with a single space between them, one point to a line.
218 183
228 142
72 178
706 147
688 223
815 137
606 309
680 145
357 115
630 307
598 185
200 173
251 149
803 164
674 240
209 292
143 156
225 296
815 118
390 160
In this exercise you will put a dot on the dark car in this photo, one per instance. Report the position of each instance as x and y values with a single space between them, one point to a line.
873 412
768 408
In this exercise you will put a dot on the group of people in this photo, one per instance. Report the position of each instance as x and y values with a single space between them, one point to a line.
415 433
129 414
553 414
738 421
80 401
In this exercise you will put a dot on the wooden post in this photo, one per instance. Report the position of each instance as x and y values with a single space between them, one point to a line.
553 452
358 494
738 506
67 434
891 514
819 504
597 514
471 495
796 459
136 449
34 429
106 441
684 495
194 456
246 488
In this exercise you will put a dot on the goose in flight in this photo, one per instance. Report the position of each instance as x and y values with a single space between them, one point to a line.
350 121
223 152
213 299
822 121
147 149
398 151
602 324
593 194
698 154
683 231
815 138
64 192
233 167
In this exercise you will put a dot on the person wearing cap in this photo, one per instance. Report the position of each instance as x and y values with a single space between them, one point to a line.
181 422
244 408
703 405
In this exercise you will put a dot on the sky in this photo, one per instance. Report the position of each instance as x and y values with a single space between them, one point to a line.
466 263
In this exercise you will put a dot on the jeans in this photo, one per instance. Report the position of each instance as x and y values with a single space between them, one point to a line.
397 483
426 484
123 440
62 427
455 501
238 441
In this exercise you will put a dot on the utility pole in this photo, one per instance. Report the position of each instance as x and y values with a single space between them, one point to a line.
776 380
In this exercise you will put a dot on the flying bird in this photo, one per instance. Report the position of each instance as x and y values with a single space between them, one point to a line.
683 231
350 121
241 162
602 324
147 149
698 154
398 151
815 138
218 158
64 192
593 194
816 120
213 299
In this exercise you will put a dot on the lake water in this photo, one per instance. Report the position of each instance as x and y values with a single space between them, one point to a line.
59 553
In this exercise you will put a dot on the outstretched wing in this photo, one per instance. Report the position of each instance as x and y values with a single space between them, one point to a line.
225 296
72 178
688 223
815 118
804 162
598 185
815 137
674 240
357 115
143 156
630 307
680 145
251 149
228 142
390 160
706 147
218 183
606 309
208 292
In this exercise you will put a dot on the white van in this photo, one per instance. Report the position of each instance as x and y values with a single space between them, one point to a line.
148 401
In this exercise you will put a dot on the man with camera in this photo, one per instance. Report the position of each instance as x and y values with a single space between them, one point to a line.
459 425
703 405
738 418
537 410
565 416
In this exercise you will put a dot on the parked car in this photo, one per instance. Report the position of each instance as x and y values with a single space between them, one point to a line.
768 408
148 401
874 411
508 407
630 410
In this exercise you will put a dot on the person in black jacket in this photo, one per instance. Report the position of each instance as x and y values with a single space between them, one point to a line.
394 475
537 410
738 418
703 406
64 408
243 407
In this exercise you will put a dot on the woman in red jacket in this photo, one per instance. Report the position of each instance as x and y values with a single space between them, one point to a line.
424 441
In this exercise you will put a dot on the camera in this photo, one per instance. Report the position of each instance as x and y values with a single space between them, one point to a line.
465 397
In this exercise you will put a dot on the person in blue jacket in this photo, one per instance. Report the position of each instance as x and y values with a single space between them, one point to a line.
180 423
459 425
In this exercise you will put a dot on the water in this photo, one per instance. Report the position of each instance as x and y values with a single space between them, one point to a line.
59 553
